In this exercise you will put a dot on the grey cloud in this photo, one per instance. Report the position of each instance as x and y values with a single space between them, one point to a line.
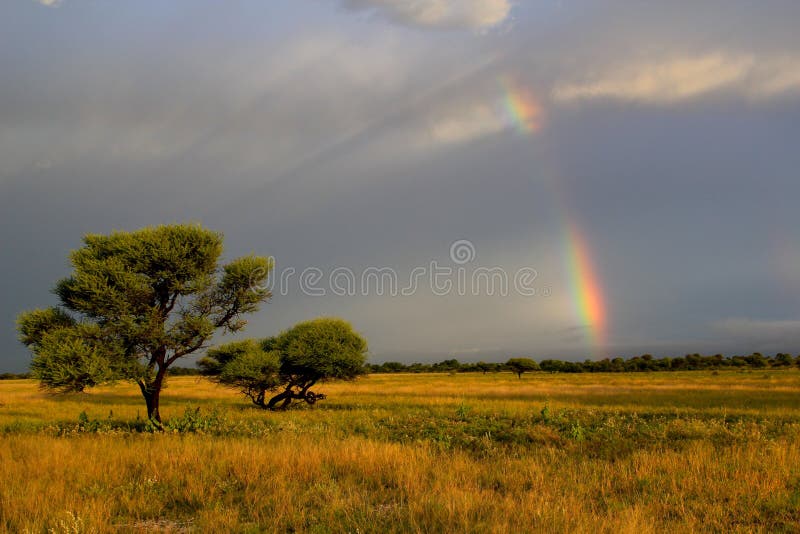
328 142
760 334
255 113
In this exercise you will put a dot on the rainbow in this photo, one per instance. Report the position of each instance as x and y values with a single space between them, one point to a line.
587 293
521 106
524 111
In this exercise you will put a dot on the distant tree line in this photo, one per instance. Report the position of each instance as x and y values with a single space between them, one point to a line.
14 376
184 371
643 363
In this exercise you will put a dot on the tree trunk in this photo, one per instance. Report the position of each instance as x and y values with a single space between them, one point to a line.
288 395
151 399
283 396
288 400
259 400
152 395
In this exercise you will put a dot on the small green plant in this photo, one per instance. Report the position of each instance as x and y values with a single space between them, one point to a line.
194 421
86 424
577 432
545 413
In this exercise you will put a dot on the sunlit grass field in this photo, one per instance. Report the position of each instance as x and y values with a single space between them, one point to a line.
654 452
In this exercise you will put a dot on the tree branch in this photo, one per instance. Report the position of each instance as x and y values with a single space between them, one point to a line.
171 303
184 352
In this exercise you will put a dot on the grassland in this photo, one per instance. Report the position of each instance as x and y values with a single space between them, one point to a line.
692 451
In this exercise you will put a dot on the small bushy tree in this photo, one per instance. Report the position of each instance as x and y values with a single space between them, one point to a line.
137 302
306 354
522 365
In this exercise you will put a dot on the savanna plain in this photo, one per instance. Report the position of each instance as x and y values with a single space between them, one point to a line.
692 451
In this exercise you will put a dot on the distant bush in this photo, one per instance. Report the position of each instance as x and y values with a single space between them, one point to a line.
522 365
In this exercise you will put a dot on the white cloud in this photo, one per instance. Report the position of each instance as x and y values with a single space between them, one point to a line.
444 124
776 76
473 14
682 78
666 81
464 125
49 3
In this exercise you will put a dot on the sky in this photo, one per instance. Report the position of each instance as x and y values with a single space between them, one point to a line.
629 168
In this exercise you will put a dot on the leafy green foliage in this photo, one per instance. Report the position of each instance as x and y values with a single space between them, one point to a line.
32 326
76 357
485 367
135 303
322 348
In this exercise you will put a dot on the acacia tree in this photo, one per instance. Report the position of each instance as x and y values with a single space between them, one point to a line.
309 352
522 365
136 302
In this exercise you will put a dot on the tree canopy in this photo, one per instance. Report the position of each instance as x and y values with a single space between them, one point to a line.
135 303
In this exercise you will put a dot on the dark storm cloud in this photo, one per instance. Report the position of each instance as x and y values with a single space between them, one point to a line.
327 139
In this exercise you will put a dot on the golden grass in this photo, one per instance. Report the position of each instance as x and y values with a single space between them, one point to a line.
686 452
